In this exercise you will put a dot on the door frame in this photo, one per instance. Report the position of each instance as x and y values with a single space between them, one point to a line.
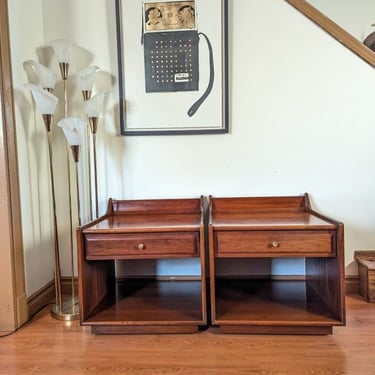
13 301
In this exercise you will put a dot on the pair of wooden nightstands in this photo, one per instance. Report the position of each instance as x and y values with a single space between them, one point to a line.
239 229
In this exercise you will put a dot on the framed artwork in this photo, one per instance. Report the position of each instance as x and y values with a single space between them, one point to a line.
172 66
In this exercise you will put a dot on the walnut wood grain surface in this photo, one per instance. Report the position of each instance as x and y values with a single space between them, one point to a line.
268 220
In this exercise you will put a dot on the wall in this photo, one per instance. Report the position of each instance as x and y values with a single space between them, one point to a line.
301 120
33 165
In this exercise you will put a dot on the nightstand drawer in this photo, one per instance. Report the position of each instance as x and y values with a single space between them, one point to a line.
141 245
274 243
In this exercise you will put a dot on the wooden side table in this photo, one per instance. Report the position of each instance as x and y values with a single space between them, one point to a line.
142 229
270 228
366 270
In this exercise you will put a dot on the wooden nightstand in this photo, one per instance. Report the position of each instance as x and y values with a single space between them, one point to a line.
142 229
268 228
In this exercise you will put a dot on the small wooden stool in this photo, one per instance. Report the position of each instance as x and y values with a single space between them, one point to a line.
366 270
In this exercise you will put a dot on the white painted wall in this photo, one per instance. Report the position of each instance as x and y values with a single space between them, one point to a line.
26 30
301 120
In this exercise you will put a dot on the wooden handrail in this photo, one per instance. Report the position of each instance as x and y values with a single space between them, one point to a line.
334 30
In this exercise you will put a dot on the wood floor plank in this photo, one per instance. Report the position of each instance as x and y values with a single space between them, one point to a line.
48 346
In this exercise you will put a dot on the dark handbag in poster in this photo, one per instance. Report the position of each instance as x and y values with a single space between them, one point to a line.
171 61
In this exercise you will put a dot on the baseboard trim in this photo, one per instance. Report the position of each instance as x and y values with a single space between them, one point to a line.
41 298
46 295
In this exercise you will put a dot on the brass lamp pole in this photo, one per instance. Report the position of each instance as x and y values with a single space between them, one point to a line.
46 103
70 309
47 118
93 121
93 107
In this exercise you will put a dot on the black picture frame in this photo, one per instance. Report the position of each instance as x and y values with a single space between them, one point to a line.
148 104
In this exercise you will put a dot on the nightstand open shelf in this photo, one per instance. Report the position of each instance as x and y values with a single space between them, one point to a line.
263 304
147 302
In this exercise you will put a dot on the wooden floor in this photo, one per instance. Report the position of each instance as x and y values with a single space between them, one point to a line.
48 346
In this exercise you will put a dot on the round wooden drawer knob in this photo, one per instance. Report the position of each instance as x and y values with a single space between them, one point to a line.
275 244
141 246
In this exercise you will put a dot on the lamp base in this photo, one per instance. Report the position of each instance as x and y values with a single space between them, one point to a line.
68 312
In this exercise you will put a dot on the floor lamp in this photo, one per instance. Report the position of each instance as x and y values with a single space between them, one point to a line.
72 127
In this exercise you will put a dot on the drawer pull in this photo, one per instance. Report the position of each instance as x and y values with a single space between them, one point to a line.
141 246
275 244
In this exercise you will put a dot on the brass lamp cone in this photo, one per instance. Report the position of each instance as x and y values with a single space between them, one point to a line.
64 70
47 118
93 124
86 94
75 152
